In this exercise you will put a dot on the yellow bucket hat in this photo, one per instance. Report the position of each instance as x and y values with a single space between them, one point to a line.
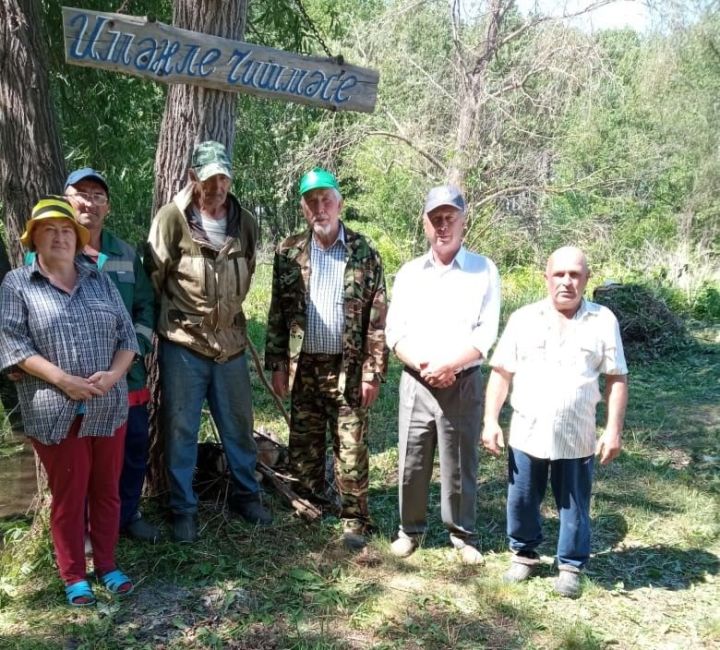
54 207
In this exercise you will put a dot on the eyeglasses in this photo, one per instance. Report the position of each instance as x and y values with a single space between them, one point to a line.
98 198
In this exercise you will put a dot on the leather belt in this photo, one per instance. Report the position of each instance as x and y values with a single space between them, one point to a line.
459 375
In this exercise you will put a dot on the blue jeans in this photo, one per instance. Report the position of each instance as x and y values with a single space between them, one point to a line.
187 380
134 463
571 482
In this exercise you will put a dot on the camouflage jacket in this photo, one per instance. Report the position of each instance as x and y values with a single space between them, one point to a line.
364 351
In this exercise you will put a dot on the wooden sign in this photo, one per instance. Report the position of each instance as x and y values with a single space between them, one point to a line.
157 51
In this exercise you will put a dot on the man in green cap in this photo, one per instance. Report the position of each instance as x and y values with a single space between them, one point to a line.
201 258
326 347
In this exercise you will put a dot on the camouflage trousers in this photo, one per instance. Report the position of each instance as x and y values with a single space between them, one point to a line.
316 403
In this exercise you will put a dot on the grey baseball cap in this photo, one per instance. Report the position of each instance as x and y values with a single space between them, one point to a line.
444 195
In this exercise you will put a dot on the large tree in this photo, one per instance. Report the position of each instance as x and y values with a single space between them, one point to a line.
192 113
31 162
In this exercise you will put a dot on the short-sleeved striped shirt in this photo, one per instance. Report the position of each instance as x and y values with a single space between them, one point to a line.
326 307
79 332
555 378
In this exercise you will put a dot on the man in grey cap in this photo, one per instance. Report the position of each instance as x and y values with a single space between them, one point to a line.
442 321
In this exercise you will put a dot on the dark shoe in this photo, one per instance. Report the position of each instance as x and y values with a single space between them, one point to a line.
521 568
354 541
252 511
142 530
568 582
355 534
185 528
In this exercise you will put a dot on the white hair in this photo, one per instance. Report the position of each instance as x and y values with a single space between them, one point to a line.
335 191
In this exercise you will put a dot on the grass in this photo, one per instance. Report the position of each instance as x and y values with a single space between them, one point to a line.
653 582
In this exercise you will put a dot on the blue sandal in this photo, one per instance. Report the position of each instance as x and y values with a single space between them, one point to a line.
115 581
78 591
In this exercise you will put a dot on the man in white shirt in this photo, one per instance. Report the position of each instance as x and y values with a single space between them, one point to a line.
553 352
442 321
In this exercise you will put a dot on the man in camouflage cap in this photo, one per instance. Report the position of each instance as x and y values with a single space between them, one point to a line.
201 258
326 347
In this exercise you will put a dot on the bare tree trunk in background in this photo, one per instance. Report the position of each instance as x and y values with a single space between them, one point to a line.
473 84
192 114
31 161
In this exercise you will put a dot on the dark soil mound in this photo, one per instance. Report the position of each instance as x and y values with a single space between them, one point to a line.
649 328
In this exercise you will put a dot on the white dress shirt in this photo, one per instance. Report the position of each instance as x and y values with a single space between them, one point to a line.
555 384
440 310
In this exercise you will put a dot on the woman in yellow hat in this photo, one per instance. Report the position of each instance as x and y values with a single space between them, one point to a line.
64 326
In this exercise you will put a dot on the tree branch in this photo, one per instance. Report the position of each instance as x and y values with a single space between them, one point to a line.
429 157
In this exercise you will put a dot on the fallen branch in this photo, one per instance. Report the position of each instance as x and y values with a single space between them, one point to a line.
303 507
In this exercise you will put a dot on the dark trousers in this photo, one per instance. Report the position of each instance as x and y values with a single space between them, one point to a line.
134 463
571 483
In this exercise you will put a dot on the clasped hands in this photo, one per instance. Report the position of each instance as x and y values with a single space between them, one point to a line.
81 388
437 374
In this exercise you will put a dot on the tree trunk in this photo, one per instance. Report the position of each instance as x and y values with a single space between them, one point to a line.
192 114
31 162
475 80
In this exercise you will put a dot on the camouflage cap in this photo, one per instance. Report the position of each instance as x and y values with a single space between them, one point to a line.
210 158
54 207
318 179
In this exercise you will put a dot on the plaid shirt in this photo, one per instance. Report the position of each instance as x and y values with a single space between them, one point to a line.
79 332
326 306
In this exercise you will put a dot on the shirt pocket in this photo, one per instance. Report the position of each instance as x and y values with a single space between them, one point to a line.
532 350
125 277
589 356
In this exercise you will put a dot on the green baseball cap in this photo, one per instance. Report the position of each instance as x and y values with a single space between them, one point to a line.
210 158
318 179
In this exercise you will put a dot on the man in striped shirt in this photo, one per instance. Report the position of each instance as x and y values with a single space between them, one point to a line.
326 347
553 352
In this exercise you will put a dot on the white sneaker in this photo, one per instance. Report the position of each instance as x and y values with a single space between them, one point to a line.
470 555
403 547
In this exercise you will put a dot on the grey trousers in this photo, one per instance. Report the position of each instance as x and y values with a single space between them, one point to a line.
449 419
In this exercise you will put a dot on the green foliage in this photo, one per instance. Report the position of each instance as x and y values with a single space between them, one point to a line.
607 141
706 303
652 581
